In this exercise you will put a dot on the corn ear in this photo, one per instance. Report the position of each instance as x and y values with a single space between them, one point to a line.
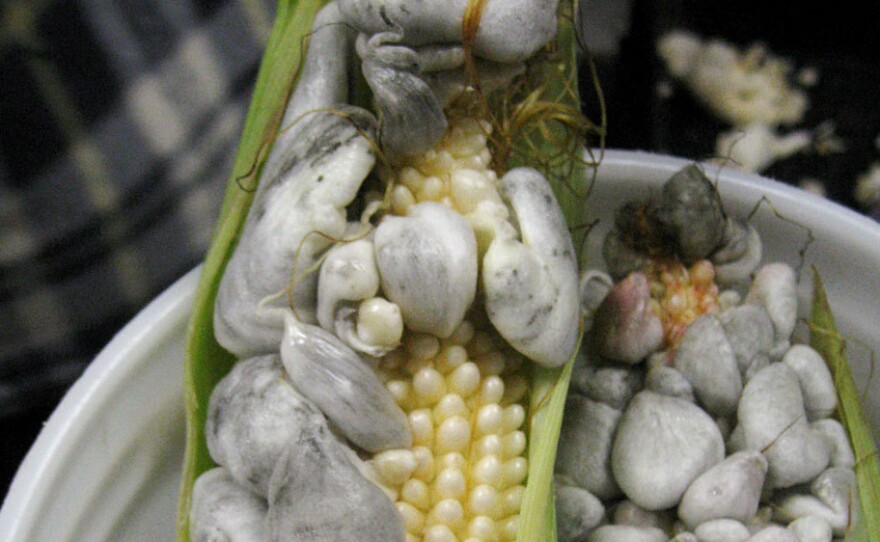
207 362
827 340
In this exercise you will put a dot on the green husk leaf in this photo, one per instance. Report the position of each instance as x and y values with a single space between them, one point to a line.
206 361
549 390
554 140
567 175
827 340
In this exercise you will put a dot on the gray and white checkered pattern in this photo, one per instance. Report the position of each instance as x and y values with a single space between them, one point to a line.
119 120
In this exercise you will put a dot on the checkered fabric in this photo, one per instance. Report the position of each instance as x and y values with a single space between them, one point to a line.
119 120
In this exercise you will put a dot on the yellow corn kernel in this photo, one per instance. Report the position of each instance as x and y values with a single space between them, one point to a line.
464 394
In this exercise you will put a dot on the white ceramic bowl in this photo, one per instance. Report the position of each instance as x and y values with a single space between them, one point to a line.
107 464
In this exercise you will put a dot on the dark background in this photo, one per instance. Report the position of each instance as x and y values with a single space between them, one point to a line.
838 39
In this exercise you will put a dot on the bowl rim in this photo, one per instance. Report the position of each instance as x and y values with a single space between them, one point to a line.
170 310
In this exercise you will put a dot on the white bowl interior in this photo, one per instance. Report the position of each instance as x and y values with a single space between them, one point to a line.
107 464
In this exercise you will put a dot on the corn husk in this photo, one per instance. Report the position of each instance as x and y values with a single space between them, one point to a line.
828 341
206 362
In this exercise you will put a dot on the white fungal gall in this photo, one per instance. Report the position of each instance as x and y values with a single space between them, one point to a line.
531 284
811 529
739 253
772 420
342 504
223 509
731 489
346 390
627 533
278 241
428 266
669 381
577 513
434 22
830 498
749 332
722 529
706 358
584 453
347 282
662 444
774 533
610 383
841 451
626 327
775 288
817 385
348 273
253 415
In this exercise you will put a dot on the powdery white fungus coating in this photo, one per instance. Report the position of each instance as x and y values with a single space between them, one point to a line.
440 22
627 533
577 513
662 444
740 270
811 529
253 416
306 190
584 454
836 487
756 364
412 116
722 530
772 419
593 286
323 79
345 388
774 533
706 358
224 510
731 489
317 495
531 285
734 242
627 512
428 266
348 273
689 210
841 451
749 332
817 385
669 381
626 328
611 383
